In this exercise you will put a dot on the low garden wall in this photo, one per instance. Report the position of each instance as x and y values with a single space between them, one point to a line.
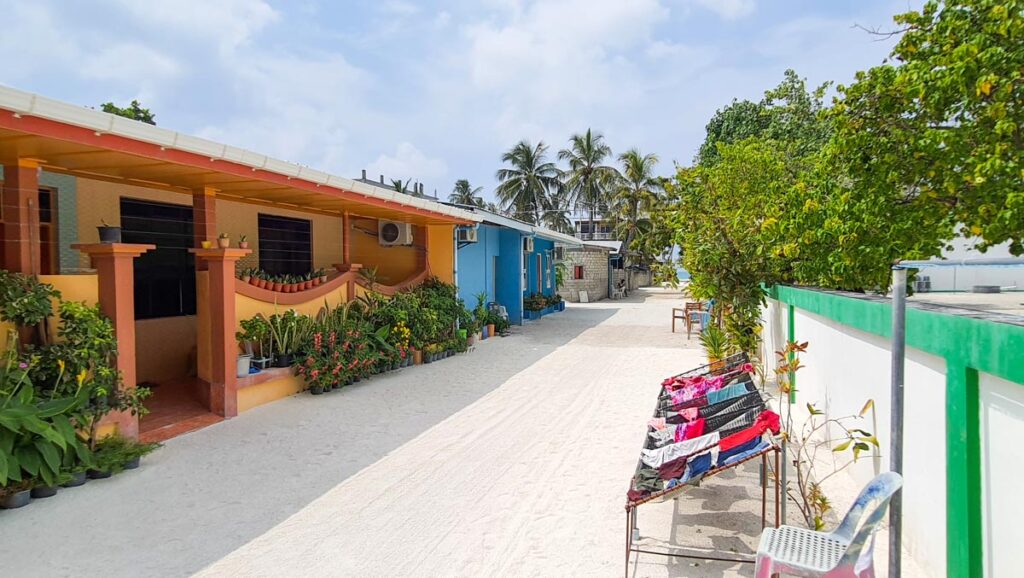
963 417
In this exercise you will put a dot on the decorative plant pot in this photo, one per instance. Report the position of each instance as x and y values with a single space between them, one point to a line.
716 364
417 356
245 278
109 234
316 390
133 464
323 278
356 379
243 244
490 329
206 244
16 500
77 479
283 360
484 334
223 243
44 491
315 282
276 286
243 364
98 474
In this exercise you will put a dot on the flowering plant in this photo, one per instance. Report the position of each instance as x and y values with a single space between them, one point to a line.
324 366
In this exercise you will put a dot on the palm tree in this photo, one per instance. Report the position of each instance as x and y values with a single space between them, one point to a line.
588 181
556 215
524 186
402 187
464 194
637 194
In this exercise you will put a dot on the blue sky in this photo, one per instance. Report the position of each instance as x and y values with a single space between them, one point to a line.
434 91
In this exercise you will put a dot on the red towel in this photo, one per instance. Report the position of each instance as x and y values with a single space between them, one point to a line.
768 420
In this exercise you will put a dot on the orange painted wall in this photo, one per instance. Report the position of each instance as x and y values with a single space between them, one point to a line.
441 254
393 264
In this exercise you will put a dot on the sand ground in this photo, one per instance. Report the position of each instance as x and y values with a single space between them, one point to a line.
512 460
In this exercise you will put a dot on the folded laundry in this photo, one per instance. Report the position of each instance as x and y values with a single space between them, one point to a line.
658 456
767 420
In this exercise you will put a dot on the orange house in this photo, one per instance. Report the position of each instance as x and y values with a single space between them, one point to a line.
67 170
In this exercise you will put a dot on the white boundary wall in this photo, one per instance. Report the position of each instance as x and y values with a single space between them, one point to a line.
844 368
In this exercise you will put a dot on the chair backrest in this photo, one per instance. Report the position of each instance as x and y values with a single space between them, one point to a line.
873 500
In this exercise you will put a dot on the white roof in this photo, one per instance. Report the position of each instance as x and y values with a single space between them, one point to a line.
542 232
27 103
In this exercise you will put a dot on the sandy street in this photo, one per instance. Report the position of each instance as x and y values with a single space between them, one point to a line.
513 460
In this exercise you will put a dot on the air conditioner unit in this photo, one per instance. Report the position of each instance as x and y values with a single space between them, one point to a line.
394 233
466 235
528 244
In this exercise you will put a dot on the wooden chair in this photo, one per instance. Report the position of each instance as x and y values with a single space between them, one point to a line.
690 314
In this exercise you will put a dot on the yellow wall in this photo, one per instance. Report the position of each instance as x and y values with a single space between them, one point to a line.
237 219
165 348
394 264
257 395
247 307
441 257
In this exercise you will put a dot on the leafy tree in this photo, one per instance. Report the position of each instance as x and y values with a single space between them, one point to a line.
938 128
465 194
133 111
526 184
556 217
401 187
635 197
788 114
588 180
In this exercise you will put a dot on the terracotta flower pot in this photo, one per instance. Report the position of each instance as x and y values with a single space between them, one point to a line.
277 286
315 282
417 356
243 244
254 281
307 285
490 329
246 278
223 243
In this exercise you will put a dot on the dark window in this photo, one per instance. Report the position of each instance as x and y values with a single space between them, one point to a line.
165 278
286 245
45 206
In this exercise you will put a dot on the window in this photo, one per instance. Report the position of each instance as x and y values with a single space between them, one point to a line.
577 271
165 278
286 245
48 248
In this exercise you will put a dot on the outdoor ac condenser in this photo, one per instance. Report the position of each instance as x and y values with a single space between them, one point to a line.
391 233
528 244
466 235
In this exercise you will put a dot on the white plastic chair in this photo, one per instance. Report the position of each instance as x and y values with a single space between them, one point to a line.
844 553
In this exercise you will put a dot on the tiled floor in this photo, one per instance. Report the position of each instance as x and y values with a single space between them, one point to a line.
173 410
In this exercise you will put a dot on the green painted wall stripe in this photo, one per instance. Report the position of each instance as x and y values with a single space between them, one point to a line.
979 343
969 345
791 332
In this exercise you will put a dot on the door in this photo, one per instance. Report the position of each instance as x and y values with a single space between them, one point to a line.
540 273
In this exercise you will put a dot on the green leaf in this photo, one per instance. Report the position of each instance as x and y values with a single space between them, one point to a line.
842 446
29 458
3 469
50 454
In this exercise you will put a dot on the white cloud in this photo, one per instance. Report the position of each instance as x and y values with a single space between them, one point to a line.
228 23
408 162
130 61
730 9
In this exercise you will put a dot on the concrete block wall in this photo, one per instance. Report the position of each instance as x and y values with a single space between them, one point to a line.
595 274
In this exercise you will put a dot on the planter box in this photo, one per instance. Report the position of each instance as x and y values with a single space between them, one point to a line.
532 315
561 305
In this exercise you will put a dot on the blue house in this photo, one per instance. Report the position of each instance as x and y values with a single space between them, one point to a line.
509 260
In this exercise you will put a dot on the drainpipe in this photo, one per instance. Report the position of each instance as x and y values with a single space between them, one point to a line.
898 349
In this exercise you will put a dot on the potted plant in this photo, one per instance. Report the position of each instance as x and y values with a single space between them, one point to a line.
417 356
243 242
15 495
716 345
275 283
246 275
116 453
223 241
108 233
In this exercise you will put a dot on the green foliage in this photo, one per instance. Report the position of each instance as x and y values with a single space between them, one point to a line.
588 181
466 194
256 332
937 130
114 452
715 343
525 185
25 301
133 111
637 194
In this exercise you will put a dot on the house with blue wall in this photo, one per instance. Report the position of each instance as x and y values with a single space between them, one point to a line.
509 261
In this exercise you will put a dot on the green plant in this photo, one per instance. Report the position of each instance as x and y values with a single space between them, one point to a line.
115 451
561 271
242 238
223 236
715 343
26 302
255 334
37 436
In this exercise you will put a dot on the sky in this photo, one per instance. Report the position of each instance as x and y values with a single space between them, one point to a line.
434 91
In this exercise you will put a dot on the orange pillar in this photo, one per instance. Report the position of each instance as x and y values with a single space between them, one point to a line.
346 255
220 263
114 264
204 219
21 217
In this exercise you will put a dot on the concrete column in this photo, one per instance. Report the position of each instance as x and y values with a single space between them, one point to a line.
114 264
204 219
223 386
21 217
346 254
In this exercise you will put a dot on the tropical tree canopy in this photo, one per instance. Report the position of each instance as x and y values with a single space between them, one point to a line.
465 194
133 111
526 183
588 180
635 196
